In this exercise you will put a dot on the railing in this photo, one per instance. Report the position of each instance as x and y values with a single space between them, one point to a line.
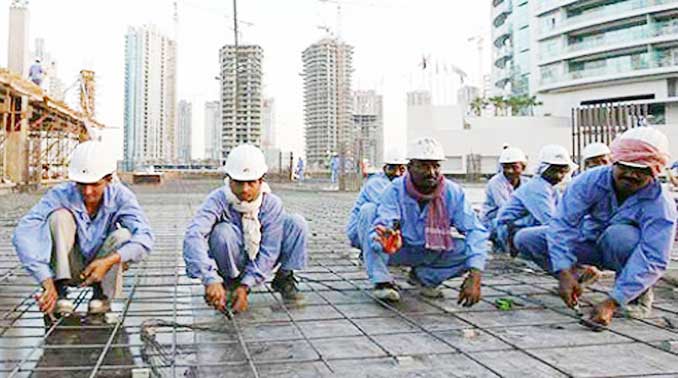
615 8
619 66
634 34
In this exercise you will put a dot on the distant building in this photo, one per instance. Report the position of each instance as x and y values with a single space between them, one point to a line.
213 131
465 95
245 126
150 98
327 100
17 47
183 137
368 121
268 139
574 53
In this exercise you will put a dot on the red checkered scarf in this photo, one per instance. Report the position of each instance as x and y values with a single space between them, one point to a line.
639 152
437 233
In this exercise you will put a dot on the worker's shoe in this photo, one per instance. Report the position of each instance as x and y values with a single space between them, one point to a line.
285 283
432 292
99 304
588 275
64 306
386 291
641 307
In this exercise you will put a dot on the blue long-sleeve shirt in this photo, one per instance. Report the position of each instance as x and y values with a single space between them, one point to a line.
32 237
216 209
651 209
497 193
532 204
370 193
397 205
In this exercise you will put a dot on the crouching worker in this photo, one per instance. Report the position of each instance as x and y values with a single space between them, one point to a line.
365 207
501 186
241 234
531 206
629 228
413 228
596 155
81 232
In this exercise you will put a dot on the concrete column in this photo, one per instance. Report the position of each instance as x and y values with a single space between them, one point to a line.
16 145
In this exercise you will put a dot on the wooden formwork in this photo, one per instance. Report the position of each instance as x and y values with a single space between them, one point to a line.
38 133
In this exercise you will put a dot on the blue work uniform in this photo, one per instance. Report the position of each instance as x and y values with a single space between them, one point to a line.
365 206
214 244
431 267
497 193
633 238
531 205
119 208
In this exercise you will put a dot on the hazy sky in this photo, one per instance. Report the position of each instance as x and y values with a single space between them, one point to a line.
390 37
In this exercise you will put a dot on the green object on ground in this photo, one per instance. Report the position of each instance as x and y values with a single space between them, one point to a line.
504 304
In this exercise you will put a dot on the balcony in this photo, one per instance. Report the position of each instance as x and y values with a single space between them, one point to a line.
660 62
616 40
502 33
607 13
502 56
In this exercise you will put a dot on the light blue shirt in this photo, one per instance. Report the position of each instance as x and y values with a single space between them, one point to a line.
651 209
533 204
397 205
216 209
32 237
370 193
497 193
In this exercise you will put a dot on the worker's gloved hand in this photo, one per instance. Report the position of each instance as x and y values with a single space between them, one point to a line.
97 269
215 295
603 312
47 300
569 288
239 299
469 293
391 240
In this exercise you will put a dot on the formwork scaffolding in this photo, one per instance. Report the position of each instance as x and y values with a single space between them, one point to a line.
37 133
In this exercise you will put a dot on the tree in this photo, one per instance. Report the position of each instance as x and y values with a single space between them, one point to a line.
531 102
478 105
499 104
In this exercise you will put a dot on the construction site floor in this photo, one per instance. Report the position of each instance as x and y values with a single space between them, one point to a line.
162 326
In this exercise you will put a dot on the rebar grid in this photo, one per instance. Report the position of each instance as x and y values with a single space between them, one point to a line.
340 328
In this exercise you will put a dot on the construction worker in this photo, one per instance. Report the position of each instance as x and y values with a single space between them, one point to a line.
630 230
500 187
334 168
363 212
241 233
534 203
413 227
36 72
300 169
81 232
595 155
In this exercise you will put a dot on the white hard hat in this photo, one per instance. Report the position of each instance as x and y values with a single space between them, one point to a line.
555 154
595 149
90 162
395 156
512 155
245 163
426 148
649 135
